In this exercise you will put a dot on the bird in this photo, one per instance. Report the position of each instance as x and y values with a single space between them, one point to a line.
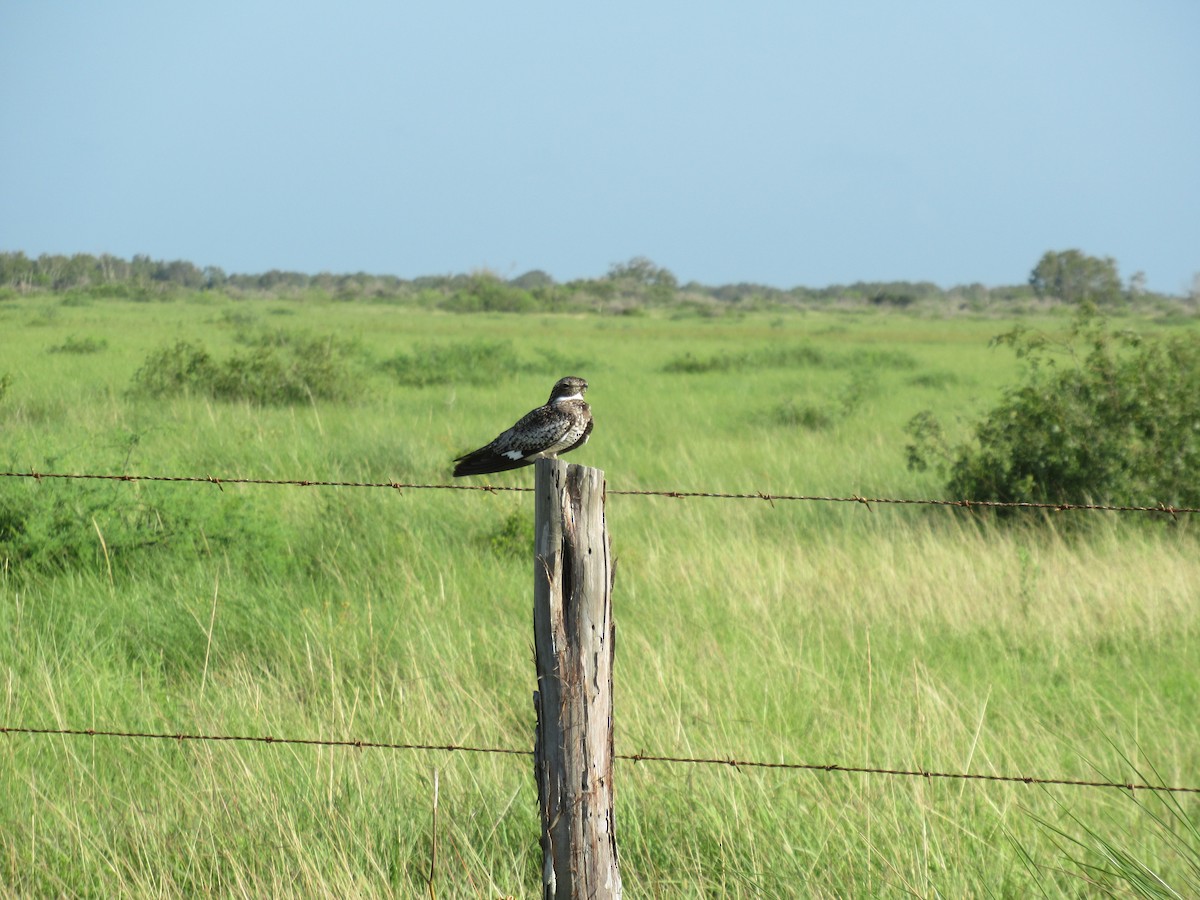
562 425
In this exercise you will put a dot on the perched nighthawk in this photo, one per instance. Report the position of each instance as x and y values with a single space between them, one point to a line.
563 424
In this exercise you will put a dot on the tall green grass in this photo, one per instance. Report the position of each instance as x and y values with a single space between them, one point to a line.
788 632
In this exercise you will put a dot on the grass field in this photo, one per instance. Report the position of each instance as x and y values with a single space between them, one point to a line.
799 632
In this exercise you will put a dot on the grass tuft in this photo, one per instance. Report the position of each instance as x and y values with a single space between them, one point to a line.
80 345
461 362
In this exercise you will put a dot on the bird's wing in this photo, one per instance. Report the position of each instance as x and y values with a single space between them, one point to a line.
553 428
535 432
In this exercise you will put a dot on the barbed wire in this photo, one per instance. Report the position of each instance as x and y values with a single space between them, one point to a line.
638 757
730 761
672 494
256 739
286 482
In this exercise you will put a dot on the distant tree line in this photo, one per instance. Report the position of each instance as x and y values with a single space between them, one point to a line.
82 271
1069 277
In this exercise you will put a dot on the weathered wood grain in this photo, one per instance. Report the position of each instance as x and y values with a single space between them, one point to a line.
574 642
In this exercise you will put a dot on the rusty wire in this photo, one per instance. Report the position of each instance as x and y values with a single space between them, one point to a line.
729 761
255 739
672 494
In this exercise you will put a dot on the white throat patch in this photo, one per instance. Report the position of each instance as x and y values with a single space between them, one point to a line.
571 397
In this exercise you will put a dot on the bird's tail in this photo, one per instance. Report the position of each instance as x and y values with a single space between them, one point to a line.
485 462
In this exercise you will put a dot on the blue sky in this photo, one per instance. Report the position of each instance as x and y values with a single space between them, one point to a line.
783 143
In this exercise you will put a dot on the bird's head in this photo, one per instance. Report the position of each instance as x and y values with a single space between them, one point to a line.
569 388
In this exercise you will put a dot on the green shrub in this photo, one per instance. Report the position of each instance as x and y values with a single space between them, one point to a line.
1106 417
809 416
484 293
513 536
936 380
882 359
784 357
80 345
788 356
279 369
116 290
52 526
898 299
182 367
239 317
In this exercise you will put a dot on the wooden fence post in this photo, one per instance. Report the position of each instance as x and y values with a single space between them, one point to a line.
573 639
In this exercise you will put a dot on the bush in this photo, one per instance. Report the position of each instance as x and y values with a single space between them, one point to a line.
937 380
54 527
1114 418
899 299
80 345
809 416
788 356
175 370
484 293
514 536
279 369
238 317
779 357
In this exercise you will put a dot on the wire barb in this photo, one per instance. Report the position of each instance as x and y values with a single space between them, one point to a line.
400 487
639 757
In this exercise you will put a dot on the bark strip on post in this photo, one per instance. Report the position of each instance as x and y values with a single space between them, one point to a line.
573 639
